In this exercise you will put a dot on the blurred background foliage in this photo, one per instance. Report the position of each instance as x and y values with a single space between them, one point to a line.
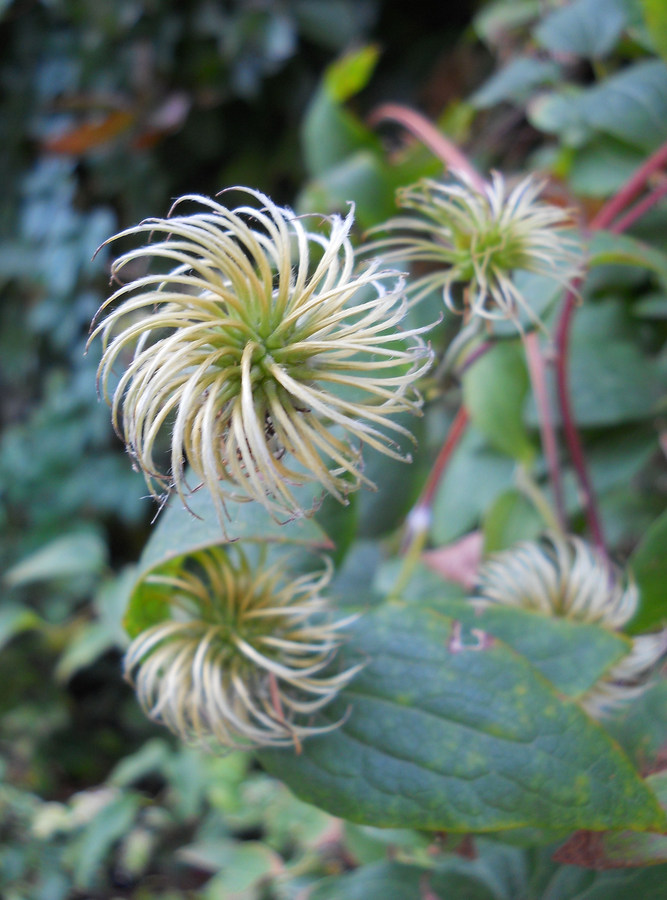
108 112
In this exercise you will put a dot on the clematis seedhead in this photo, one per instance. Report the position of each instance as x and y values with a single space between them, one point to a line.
239 660
257 352
478 236
565 577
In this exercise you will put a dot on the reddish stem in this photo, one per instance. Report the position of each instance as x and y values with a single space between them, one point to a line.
603 219
638 210
455 434
473 356
429 135
419 519
629 191
571 434
537 369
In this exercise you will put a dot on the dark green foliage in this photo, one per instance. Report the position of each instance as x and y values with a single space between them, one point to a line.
108 112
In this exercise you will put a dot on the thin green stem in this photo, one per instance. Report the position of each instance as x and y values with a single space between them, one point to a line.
528 486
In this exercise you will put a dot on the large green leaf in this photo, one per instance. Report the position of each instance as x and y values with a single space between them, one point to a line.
455 731
589 28
630 106
619 848
649 566
494 390
550 644
181 531
641 727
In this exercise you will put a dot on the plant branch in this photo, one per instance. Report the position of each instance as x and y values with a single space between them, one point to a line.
537 370
419 519
428 134
630 189
604 219
570 429
642 206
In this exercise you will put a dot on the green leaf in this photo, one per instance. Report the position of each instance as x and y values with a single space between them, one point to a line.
550 644
588 28
111 823
65 557
631 105
397 881
331 23
655 17
494 390
622 848
641 727
577 883
398 483
653 306
475 476
495 20
516 81
509 519
619 249
15 619
90 642
243 865
362 177
560 113
150 758
349 74
602 166
450 731
180 531
610 383
371 845
649 566
340 523
330 133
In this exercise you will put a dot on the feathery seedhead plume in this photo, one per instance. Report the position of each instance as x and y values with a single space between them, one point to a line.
566 577
239 661
268 357
478 236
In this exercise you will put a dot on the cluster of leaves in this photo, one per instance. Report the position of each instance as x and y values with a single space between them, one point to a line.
139 102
